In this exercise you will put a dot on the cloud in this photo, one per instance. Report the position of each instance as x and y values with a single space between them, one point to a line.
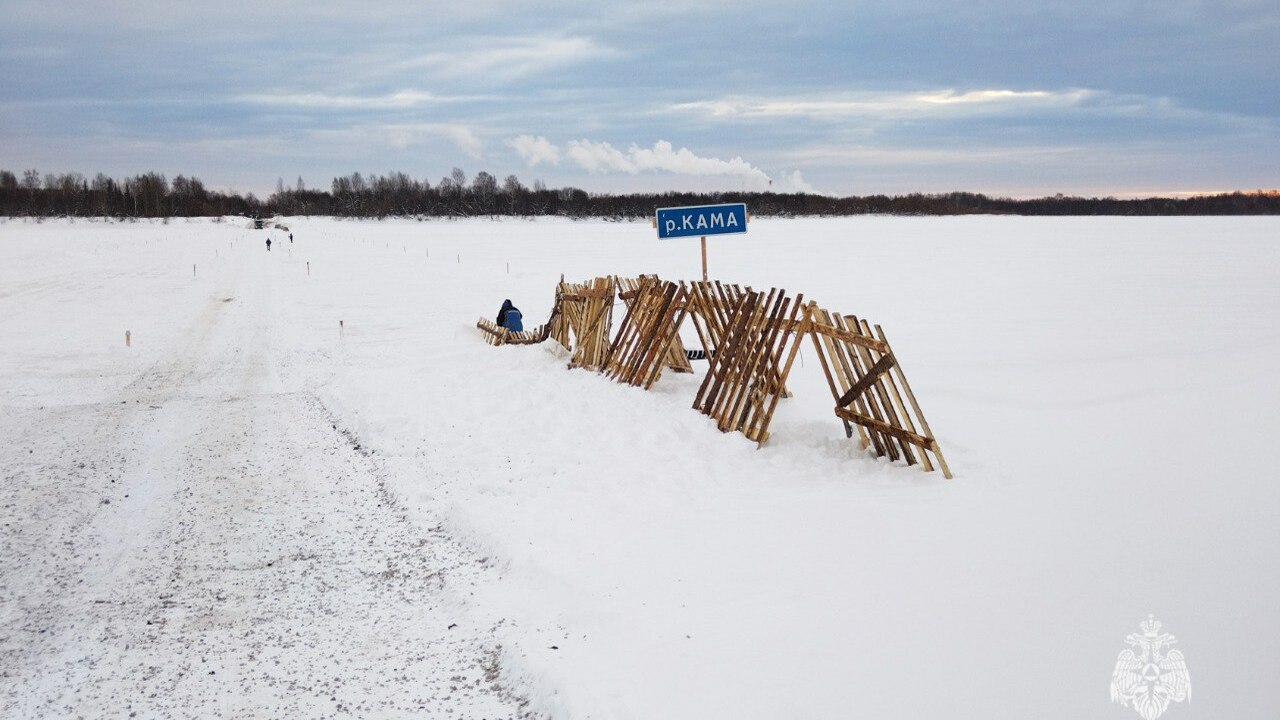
887 104
794 182
505 59
402 135
318 100
465 139
598 157
664 157
844 155
535 150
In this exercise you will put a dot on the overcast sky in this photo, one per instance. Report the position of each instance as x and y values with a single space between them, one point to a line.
1015 97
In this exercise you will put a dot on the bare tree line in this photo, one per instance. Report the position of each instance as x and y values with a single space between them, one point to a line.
396 194
146 195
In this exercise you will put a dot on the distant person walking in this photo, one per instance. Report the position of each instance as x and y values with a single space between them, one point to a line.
290 238
268 244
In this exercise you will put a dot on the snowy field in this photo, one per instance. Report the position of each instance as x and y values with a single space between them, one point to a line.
249 513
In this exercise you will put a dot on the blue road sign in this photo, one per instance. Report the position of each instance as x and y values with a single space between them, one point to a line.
695 220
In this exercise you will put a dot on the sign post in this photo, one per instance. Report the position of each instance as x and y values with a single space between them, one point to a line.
701 220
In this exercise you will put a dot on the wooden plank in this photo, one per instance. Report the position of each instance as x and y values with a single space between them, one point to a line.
651 307
761 381
695 315
924 424
852 361
590 294
718 362
838 333
742 378
768 379
756 380
886 411
810 313
589 311
670 339
882 365
843 366
904 435
734 380
762 433
647 341
622 341
675 356
900 407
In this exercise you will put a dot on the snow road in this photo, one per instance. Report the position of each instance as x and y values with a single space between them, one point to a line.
205 541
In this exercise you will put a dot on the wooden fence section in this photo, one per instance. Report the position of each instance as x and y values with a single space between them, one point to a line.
558 325
588 311
744 381
649 331
498 335
711 308
870 390
676 360
710 305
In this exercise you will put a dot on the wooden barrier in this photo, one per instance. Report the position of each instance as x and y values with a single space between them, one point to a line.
497 335
751 340
744 381
676 360
649 332
864 377
588 314
711 307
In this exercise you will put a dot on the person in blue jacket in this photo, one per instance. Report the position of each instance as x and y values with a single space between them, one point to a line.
509 317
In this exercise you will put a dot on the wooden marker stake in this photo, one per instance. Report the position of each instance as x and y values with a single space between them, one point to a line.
308 268
128 337
704 258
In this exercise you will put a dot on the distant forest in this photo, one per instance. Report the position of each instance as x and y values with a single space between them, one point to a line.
152 195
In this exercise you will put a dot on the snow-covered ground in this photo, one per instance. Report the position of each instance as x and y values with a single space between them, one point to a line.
397 516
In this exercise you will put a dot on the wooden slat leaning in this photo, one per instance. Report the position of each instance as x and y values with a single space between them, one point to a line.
497 335
588 313
711 305
870 390
558 325
751 331
648 333
628 288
